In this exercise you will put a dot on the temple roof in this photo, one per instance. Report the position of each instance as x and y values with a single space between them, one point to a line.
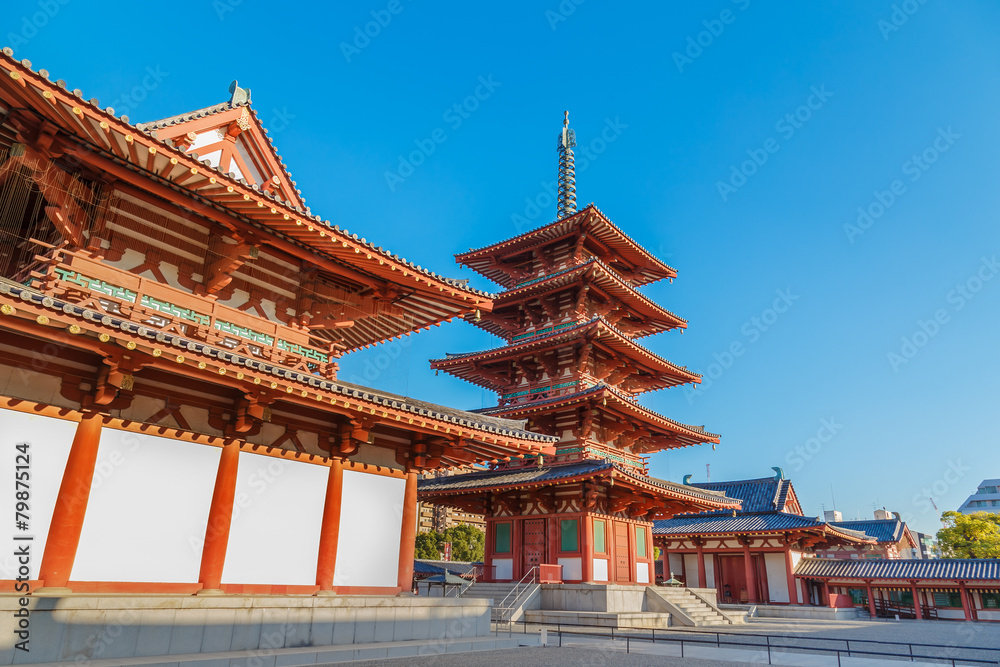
767 494
544 475
883 530
115 145
464 365
593 272
231 136
906 569
293 380
604 240
717 523
685 434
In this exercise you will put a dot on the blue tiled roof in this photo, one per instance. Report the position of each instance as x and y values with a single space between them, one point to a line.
758 495
725 522
883 530
967 569
431 567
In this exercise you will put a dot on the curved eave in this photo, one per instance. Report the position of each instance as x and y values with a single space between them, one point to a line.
592 221
28 306
694 498
660 319
463 365
687 434
428 297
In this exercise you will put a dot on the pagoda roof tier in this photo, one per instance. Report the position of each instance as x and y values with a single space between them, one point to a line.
468 437
637 316
650 430
601 238
462 490
495 369
60 122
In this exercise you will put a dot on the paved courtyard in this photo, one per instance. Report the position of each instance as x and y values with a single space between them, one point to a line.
968 640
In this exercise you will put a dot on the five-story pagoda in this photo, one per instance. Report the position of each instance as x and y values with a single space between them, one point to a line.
569 314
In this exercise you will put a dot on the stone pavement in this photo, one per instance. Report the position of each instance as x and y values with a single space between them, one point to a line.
601 650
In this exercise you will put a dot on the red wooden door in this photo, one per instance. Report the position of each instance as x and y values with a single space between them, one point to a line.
623 572
534 543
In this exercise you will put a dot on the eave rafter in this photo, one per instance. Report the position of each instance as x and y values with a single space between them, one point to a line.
111 145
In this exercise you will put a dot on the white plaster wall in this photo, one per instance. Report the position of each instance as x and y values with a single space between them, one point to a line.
572 568
49 442
277 514
600 569
691 568
371 517
954 614
148 507
777 578
709 570
642 573
504 568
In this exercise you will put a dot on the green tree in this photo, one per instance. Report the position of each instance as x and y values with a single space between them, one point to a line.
468 543
975 535
428 545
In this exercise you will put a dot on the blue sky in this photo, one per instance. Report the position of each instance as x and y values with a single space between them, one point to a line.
744 138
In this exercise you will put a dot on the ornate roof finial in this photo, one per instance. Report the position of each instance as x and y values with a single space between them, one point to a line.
567 170
240 95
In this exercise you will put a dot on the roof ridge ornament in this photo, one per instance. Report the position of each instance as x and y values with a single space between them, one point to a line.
239 95
567 170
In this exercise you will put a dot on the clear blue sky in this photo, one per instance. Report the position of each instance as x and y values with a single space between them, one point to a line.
883 89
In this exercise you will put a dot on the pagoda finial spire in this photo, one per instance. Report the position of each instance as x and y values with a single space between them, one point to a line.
567 170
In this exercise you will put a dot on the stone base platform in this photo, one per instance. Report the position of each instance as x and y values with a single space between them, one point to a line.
797 611
75 628
605 619
299 657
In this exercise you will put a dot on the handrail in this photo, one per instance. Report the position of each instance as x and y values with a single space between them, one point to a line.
531 574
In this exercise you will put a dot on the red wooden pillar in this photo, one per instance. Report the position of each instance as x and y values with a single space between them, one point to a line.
751 575
916 600
552 540
488 550
966 600
220 518
71 503
408 533
702 577
871 598
587 549
329 535
806 599
826 594
665 559
793 598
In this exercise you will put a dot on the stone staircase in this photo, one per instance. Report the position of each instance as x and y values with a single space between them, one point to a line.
529 597
688 608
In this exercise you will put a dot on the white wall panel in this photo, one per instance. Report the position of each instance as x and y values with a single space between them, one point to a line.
709 570
371 517
148 509
572 568
600 569
503 568
49 442
691 570
642 573
777 578
277 516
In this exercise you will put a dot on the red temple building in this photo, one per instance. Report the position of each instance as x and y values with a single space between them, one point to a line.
171 315
750 555
569 315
